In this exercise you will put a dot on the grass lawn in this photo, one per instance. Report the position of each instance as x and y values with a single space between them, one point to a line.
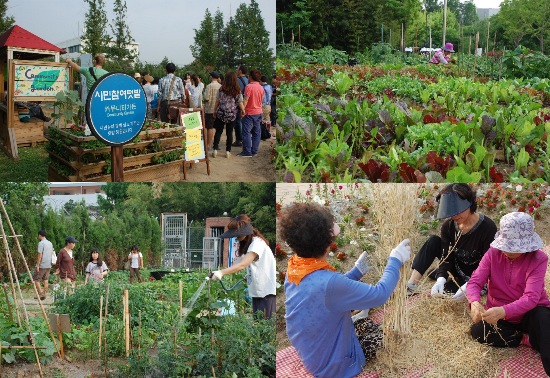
31 166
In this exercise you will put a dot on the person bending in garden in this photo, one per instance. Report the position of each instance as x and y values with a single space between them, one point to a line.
65 263
443 55
136 263
258 258
465 237
43 264
517 309
319 300
96 269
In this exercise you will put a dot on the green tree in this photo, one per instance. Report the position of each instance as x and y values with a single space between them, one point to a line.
6 22
95 39
207 47
122 38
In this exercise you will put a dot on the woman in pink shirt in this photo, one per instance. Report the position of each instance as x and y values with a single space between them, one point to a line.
517 310
443 55
251 133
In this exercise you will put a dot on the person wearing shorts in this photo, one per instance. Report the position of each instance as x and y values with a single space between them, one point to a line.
43 264
210 97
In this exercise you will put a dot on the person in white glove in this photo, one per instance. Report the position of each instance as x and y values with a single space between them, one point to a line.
465 237
320 300
460 294
258 258
439 287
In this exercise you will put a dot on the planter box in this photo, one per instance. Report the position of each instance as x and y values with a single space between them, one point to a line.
72 153
167 172
29 133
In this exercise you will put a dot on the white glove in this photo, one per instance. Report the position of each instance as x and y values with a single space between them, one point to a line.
362 263
460 295
402 252
360 315
217 275
439 286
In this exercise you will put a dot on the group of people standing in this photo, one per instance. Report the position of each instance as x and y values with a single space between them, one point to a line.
65 271
508 266
241 102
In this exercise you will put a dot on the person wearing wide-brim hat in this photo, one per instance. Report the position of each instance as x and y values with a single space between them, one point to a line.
517 303
258 258
443 55
464 238
149 93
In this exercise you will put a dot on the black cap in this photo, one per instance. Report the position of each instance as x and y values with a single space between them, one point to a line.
450 204
246 229
215 75
70 239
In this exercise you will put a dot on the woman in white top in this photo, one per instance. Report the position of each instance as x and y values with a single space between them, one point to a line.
260 261
96 269
136 263
195 92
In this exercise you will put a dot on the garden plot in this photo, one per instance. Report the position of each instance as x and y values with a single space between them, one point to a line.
409 124
437 342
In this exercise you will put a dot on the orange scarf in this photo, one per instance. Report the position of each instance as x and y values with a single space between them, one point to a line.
299 267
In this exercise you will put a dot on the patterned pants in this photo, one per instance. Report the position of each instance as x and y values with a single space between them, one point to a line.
370 337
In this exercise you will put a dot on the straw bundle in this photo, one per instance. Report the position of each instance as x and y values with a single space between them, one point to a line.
395 210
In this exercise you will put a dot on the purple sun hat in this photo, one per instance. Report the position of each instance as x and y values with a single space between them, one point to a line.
517 234
448 47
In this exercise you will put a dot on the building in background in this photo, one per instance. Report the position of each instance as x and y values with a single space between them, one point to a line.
62 193
75 48
483 13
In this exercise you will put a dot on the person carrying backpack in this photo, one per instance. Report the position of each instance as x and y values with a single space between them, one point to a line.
229 100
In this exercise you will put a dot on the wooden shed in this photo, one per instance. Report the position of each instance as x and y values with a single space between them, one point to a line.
30 72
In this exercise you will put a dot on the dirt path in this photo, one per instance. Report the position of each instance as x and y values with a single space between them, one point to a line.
235 169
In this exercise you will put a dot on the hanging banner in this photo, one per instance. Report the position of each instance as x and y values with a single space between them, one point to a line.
116 108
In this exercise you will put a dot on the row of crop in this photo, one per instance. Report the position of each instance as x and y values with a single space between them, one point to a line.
458 129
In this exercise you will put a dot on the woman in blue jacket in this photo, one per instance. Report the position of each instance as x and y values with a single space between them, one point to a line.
319 300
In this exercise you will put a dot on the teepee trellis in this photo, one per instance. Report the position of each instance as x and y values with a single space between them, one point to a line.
16 287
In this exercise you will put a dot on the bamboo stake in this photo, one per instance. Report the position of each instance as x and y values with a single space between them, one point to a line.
213 372
488 28
12 286
100 324
181 299
10 258
139 338
127 312
105 354
475 55
4 286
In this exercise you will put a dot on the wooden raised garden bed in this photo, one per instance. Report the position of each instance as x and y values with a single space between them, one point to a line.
156 154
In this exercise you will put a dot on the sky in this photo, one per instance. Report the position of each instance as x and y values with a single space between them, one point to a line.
487 3
162 28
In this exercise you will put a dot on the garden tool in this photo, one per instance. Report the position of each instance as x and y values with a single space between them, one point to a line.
211 274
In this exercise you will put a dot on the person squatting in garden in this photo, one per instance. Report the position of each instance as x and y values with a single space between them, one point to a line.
517 309
136 263
226 111
258 258
96 268
251 131
170 92
465 237
65 263
443 55
319 300
210 97
43 264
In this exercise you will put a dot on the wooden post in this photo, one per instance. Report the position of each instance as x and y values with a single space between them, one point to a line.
181 300
444 22
402 37
100 324
299 38
127 311
105 354
488 31
60 336
139 339
117 164
4 286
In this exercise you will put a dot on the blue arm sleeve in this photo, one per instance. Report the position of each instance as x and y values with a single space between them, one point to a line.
354 274
345 294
